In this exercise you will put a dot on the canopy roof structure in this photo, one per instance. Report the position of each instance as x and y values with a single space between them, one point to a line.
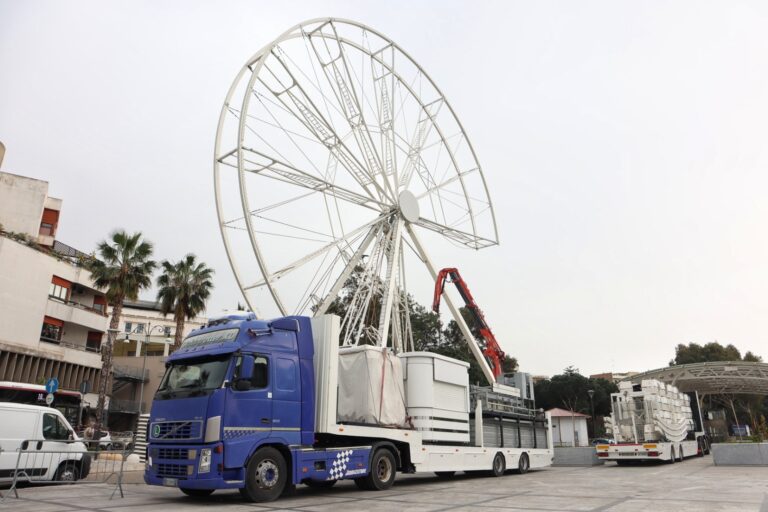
733 377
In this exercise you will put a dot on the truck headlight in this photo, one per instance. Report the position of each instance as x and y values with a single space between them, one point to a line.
205 461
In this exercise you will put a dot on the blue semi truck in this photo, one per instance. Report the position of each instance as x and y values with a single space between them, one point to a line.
253 405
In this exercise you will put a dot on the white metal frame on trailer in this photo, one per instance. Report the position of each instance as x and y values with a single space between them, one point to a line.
425 457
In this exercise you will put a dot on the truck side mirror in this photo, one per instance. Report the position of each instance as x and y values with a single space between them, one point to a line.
246 367
242 385
244 374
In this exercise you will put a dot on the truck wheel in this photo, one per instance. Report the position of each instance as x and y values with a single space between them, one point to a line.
320 484
445 475
196 493
265 476
67 472
523 464
382 472
499 465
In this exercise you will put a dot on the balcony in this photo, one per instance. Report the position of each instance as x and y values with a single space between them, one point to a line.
75 346
76 313
129 373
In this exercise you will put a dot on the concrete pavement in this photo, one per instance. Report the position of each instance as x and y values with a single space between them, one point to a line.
696 484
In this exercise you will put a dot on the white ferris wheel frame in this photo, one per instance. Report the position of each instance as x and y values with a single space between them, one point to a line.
401 222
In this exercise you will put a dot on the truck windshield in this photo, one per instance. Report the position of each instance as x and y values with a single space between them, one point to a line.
186 378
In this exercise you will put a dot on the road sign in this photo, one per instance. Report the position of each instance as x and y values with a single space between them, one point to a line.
52 385
49 399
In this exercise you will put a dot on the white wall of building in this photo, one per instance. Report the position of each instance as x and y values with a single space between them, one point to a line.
566 430
149 319
25 279
22 201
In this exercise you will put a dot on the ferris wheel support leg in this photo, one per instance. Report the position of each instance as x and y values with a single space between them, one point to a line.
339 284
463 327
393 261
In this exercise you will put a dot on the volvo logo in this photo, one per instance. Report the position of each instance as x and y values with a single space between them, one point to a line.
155 430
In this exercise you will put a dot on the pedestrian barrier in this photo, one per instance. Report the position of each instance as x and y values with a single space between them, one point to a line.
47 462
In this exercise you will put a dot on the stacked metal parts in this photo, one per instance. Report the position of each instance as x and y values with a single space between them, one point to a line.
650 411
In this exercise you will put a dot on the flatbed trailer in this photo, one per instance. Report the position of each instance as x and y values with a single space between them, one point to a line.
272 421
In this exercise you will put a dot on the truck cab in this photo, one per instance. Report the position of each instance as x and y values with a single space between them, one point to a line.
235 385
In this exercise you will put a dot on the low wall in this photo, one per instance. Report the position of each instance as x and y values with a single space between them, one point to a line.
740 454
576 456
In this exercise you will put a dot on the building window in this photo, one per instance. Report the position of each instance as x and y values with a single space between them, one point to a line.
167 331
46 229
51 332
58 292
128 326
93 342
100 304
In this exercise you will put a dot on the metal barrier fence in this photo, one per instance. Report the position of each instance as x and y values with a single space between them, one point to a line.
46 461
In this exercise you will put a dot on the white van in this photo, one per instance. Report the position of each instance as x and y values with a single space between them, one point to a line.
45 439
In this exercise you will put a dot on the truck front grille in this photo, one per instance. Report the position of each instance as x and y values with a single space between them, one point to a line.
171 470
173 453
176 429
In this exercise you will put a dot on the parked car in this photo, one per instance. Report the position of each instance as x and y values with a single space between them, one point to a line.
603 440
51 432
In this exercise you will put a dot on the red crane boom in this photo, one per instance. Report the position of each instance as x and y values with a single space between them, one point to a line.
490 347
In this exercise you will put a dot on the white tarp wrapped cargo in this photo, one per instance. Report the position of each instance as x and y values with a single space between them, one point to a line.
370 387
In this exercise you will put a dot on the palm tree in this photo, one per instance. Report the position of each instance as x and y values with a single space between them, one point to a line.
184 287
122 269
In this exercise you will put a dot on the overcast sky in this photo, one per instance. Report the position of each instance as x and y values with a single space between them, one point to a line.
624 144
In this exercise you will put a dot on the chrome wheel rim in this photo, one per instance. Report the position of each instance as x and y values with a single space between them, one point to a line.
267 474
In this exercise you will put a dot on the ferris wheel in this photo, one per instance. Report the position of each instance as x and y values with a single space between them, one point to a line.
338 160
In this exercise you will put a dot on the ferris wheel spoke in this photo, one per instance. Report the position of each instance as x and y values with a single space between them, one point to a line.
343 241
470 240
383 83
423 127
306 112
336 69
269 166
447 182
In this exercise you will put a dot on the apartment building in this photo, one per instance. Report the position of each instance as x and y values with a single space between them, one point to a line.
52 318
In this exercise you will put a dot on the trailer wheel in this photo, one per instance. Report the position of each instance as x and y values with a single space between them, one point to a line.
523 464
499 465
382 472
445 475
673 457
265 476
196 493
320 484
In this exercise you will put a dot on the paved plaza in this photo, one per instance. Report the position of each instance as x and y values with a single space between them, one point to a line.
695 484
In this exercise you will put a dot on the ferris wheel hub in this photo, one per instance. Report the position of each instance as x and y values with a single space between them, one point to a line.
409 206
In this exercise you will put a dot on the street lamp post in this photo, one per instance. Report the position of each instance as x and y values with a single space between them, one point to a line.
591 393
147 334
